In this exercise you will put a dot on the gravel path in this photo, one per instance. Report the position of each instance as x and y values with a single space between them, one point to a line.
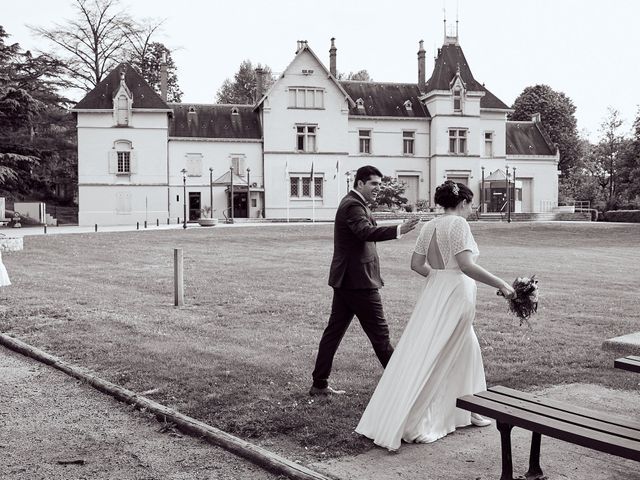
55 428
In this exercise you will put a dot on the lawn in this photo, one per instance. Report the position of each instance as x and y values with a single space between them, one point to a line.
239 354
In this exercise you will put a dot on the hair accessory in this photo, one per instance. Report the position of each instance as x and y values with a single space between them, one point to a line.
455 189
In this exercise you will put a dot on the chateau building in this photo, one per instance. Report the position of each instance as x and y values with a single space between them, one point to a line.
293 154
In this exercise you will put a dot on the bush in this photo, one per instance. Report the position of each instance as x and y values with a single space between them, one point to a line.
630 216
422 205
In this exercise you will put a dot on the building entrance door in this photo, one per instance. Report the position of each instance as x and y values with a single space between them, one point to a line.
194 206
411 183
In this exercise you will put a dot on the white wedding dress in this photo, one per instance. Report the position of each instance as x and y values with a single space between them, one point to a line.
4 276
438 357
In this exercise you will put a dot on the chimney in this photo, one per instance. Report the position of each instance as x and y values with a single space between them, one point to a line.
163 77
259 83
422 80
332 57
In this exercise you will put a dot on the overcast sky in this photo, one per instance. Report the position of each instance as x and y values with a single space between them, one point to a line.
587 49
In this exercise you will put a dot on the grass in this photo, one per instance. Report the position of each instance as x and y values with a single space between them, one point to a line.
239 355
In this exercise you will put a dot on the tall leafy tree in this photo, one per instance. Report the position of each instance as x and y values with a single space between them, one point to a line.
608 154
149 65
92 43
630 165
360 75
242 88
558 118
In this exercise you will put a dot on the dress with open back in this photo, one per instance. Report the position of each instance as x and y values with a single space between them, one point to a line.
438 357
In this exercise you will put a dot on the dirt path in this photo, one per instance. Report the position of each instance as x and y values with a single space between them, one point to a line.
55 428
474 453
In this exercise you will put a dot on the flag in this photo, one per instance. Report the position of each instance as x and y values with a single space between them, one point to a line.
286 170
335 175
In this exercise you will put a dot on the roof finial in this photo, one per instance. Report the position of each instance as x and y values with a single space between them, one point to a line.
444 19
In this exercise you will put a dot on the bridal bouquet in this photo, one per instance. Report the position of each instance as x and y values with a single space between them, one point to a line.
525 303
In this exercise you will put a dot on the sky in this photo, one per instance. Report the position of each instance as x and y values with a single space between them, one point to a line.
587 49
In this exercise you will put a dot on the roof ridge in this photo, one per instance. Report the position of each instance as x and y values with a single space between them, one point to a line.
379 83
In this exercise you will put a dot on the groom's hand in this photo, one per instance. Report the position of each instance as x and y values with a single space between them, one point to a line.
408 225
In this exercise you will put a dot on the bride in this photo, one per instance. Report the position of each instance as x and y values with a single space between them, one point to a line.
438 357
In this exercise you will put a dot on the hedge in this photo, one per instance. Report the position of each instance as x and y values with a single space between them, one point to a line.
631 216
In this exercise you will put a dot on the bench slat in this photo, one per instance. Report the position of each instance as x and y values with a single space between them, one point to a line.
564 407
593 439
540 409
631 364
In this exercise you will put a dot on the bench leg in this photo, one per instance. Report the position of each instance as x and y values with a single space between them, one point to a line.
505 440
535 472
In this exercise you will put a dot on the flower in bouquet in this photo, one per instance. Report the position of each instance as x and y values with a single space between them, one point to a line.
525 302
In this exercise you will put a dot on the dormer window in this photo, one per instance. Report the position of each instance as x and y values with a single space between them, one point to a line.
235 111
122 102
360 105
123 110
457 99
408 106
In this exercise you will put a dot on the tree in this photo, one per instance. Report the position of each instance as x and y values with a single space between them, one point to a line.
361 75
94 42
391 191
149 67
628 169
607 154
557 113
242 89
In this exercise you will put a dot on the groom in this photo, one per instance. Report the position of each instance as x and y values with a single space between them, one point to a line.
355 276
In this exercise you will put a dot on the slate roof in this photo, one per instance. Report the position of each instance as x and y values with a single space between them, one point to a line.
214 121
528 138
101 97
385 99
445 69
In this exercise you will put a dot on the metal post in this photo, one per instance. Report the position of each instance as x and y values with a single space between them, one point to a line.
178 278
96 227
248 192
137 225
145 224
514 196
157 222
184 195
211 190
482 199
231 179
45 228
508 200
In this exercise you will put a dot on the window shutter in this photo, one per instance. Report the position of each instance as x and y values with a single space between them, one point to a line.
113 161
133 167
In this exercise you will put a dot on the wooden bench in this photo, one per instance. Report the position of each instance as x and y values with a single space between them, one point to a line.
631 363
512 408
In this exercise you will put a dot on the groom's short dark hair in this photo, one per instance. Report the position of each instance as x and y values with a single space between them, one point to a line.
364 173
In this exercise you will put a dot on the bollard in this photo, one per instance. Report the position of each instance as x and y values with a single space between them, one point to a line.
178 278
137 225
157 222
45 228
96 228
178 220
168 220
145 224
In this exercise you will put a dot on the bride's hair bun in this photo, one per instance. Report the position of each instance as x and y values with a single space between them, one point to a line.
450 194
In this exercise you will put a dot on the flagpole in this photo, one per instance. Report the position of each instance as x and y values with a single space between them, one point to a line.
313 197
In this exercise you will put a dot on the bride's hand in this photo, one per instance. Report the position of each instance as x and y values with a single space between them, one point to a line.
507 291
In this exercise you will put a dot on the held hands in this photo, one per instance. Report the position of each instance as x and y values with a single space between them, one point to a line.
408 225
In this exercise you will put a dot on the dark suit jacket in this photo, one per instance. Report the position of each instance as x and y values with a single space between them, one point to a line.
355 261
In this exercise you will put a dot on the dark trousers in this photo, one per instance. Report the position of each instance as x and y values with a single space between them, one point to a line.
367 306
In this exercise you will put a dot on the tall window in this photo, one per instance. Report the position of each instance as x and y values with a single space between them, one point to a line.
457 141
124 162
300 186
457 100
306 138
365 141
488 144
306 97
123 110
407 142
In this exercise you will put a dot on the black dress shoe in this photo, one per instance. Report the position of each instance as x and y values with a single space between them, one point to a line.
325 391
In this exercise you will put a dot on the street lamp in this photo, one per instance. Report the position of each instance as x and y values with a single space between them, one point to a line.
482 209
231 179
514 190
508 200
184 196
248 193
211 189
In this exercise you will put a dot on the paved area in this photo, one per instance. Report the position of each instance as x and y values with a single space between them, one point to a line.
53 427
474 453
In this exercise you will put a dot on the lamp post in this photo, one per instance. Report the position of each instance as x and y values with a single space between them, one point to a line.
211 189
248 192
508 200
482 209
514 190
184 196
231 180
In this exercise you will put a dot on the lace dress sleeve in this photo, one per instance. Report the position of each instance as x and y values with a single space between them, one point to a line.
421 243
460 237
